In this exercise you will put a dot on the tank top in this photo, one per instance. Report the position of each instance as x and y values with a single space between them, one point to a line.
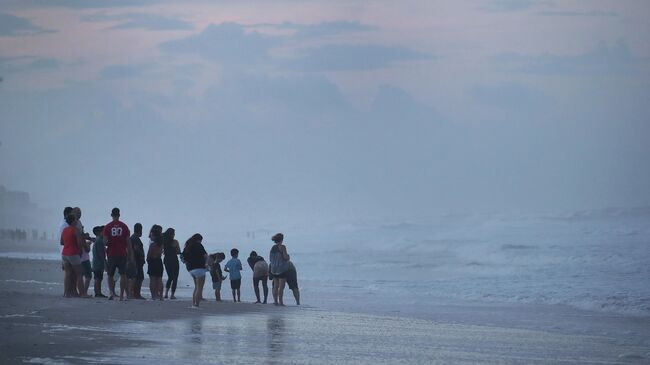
69 237
277 262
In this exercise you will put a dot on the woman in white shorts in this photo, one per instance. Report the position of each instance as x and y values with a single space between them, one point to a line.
195 258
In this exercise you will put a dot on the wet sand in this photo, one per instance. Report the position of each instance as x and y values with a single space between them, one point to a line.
38 325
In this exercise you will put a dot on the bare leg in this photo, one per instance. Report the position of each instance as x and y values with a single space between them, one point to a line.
67 280
275 291
281 291
79 280
160 288
123 285
152 287
86 281
238 295
296 295
234 299
257 290
265 286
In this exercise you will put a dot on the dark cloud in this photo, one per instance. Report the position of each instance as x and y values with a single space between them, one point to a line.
603 59
343 57
15 64
226 43
140 21
11 25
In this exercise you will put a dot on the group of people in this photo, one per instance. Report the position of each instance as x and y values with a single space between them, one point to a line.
115 250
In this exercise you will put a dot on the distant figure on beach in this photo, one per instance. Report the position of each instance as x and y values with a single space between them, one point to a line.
279 266
195 258
136 272
155 263
216 274
260 273
71 257
118 246
171 249
99 260
233 266
86 269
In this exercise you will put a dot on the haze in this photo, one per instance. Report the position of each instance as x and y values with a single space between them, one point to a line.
222 116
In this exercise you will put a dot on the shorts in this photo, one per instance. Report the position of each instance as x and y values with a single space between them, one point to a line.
155 268
216 285
86 270
263 279
134 271
73 260
99 274
292 279
282 275
235 284
116 262
198 273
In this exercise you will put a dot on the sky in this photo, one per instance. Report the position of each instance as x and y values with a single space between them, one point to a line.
215 116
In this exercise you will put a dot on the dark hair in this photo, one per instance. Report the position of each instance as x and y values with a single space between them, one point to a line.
137 228
195 238
115 212
278 238
66 211
253 254
97 230
234 252
70 218
156 234
221 255
168 237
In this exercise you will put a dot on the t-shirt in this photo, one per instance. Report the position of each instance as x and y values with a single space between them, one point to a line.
215 272
69 238
99 254
195 256
234 268
85 256
138 249
116 234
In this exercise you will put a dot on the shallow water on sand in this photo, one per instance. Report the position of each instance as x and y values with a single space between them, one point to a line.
316 337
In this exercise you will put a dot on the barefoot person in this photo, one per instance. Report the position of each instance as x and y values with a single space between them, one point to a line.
171 248
195 257
154 262
71 256
233 266
217 274
279 265
99 260
118 249
292 282
139 259
260 273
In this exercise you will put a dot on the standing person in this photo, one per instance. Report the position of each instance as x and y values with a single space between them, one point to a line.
279 265
260 273
67 277
99 260
195 258
171 249
118 249
292 282
136 272
71 256
217 275
233 266
154 262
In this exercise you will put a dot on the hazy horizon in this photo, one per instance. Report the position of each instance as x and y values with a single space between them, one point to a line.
236 116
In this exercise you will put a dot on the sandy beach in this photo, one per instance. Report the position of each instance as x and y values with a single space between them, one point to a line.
40 326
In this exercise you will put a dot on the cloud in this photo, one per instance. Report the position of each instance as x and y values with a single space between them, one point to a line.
122 71
140 21
84 4
25 63
510 5
11 25
340 57
226 43
603 59
593 13
510 96
325 29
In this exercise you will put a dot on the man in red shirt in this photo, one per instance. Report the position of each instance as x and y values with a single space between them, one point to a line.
118 250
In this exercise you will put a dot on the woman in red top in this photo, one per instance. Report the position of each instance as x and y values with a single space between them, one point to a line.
71 256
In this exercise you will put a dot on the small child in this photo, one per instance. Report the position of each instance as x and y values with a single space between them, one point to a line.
234 268
217 275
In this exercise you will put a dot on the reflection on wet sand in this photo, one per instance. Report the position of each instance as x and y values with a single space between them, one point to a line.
275 327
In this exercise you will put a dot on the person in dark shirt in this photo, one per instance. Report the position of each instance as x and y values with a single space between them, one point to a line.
195 258
137 274
217 274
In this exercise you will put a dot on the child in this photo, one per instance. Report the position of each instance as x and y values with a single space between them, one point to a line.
234 268
217 275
